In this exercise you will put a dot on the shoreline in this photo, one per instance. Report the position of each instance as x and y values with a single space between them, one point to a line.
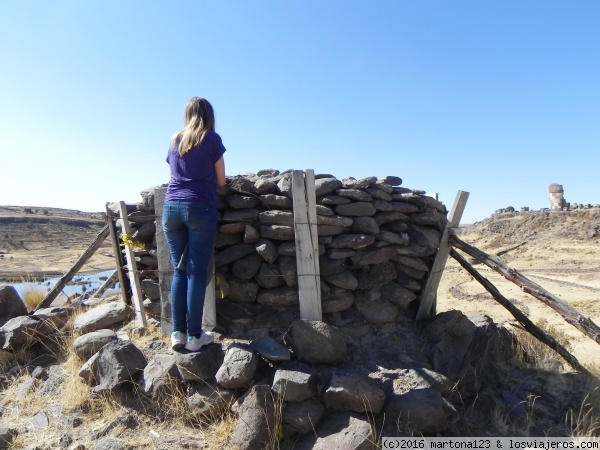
42 275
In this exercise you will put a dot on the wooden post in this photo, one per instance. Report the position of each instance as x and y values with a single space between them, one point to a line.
307 244
209 314
71 273
136 289
427 307
119 261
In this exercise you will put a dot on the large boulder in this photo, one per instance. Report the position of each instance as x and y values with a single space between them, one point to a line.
11 304
255 427
160 377
198 366
117 362
22 331
316 342
238 367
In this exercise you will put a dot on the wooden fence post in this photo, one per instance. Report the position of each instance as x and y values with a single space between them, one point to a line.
307 244
429 296
136 289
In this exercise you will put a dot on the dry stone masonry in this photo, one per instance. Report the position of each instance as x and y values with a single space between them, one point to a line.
377 241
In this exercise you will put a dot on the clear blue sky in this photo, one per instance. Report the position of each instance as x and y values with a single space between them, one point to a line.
497 98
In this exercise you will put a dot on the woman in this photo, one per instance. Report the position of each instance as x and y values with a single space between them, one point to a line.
190 218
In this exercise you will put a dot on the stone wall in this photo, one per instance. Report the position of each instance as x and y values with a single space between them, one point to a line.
377 241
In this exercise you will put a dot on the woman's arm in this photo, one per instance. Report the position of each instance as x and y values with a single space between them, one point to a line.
220 172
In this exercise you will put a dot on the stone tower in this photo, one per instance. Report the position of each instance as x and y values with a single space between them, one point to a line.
557 199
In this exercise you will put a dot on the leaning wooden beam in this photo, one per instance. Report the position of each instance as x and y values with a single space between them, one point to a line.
110 281
71 273
517 314
569 314
428 300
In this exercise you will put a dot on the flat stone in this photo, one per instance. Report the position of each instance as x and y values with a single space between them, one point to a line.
278 232
363 183
344 280
233 253
353 241
338 300
333 200
366 225
276 218
355 194
356 209
88 344
102 317
390 179
276 201
281 296
324 186
270 349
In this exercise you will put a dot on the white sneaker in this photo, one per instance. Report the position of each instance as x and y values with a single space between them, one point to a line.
194 344
178 339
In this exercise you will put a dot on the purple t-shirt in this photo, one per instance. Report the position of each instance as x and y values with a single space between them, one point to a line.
193 175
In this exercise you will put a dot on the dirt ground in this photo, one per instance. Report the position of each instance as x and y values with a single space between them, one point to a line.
566 268
39 263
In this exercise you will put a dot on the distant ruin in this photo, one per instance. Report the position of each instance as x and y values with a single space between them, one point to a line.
557 202
557 198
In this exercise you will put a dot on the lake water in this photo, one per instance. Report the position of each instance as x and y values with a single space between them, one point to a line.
79 284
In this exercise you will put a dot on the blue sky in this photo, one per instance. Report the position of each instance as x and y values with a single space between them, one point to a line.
497 98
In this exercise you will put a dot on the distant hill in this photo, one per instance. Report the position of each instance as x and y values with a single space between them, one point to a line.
544 225
28 228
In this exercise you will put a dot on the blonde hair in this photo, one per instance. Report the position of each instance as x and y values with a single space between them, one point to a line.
199 119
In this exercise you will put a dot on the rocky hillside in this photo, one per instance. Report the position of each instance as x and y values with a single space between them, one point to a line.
518 227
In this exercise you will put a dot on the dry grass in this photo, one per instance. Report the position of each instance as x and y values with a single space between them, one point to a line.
557 382
33 293
585 420
167 417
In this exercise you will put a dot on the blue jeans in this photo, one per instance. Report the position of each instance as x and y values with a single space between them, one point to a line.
194 225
